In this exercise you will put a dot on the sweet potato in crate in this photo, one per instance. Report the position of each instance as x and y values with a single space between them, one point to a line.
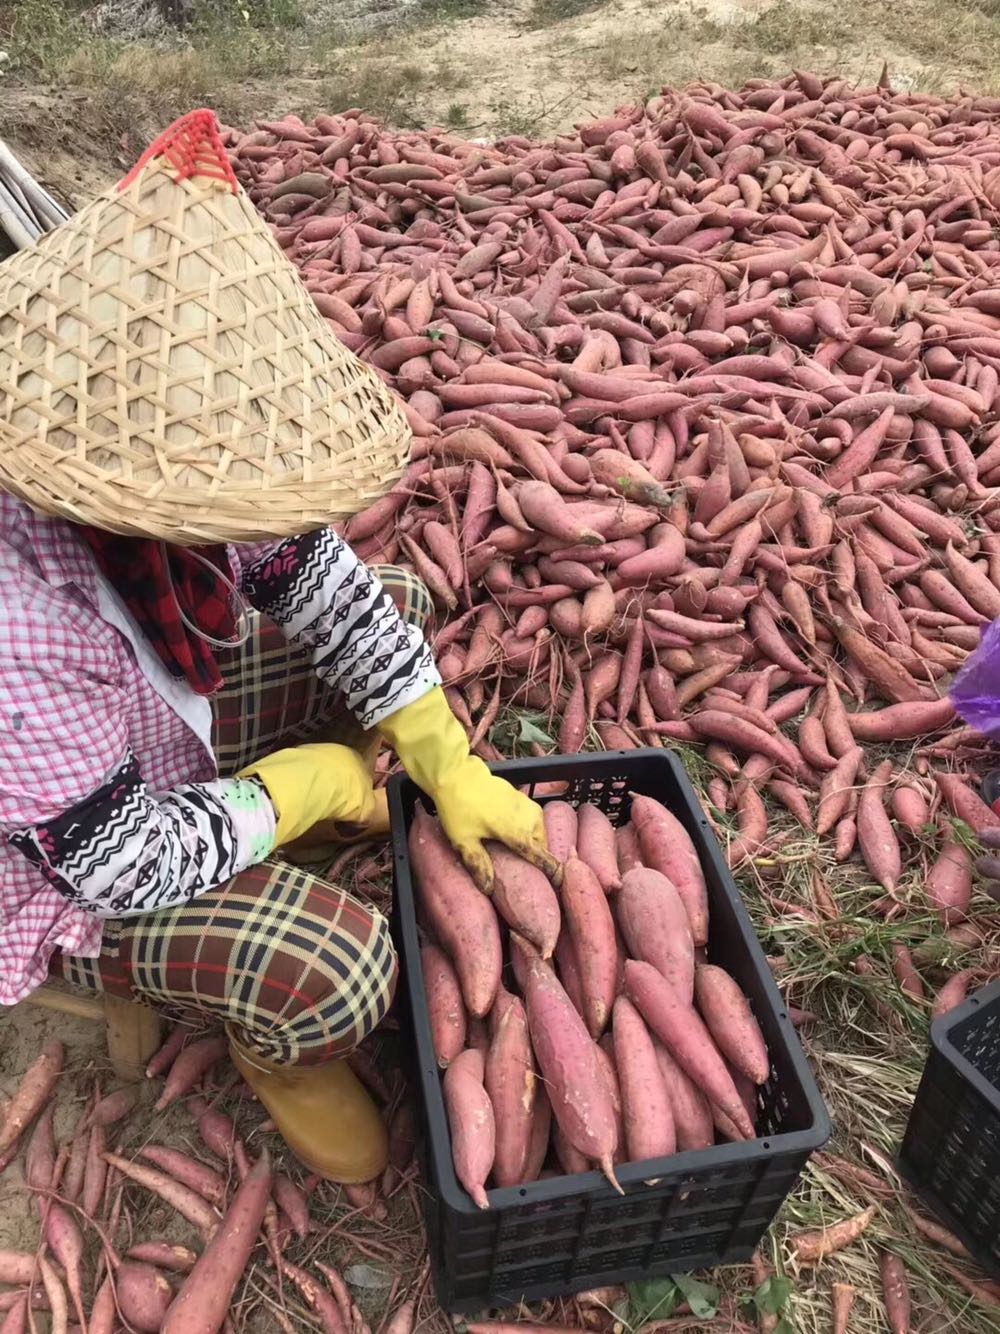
951 1151
567 1233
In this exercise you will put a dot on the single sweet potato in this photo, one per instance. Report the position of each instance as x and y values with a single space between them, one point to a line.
541 1126
40 1158
952 993
606 1059
72 1179
208 1183
545 509
112 1108
165 1255
689 1107
525 899
656 927
667 847
203 1302
646 1111
15 1314
627 844
568 970
511 1085
572 1161
32 1093
463 919
560 828
470 1118
595 845
570 1066
216 1129
66 1245
103 1315
909 808
730 1021
144 1295
16 1267
896 1293
949 883
162 1059
444 1003
836 789
966 804
194 1061
876 836
96 1171
592 931
745 1088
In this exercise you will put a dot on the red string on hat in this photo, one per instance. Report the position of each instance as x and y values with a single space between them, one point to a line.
193 147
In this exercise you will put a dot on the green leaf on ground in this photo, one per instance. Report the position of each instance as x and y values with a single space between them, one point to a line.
529 731
772 1294
653 1298
703 1298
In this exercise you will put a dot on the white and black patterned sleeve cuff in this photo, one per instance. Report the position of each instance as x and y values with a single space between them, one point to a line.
322 596
121 852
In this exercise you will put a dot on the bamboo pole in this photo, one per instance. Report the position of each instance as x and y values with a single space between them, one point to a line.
26 209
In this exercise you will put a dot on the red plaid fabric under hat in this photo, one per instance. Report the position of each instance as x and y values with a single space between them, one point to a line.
182 598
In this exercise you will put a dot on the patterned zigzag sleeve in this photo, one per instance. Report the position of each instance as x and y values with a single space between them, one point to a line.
322 596
121 852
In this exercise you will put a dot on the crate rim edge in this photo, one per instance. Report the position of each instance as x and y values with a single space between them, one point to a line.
805 1141
942 1043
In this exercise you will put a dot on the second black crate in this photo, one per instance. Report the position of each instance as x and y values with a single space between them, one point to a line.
570 1233
951 1152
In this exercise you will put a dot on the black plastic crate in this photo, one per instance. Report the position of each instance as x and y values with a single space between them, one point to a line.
570 1233
951 1151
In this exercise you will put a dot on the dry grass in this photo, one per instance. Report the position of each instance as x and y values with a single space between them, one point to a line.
929 45
265 56
136 90
237 58
696 44
543 13
868 1069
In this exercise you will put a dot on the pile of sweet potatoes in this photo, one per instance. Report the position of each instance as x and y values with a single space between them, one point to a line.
705 399
581 1024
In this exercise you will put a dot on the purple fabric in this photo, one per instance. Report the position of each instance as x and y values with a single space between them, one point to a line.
975 691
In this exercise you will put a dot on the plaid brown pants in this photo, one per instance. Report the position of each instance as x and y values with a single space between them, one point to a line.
299 969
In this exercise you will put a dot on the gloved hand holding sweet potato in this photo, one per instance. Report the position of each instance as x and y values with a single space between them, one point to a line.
473 804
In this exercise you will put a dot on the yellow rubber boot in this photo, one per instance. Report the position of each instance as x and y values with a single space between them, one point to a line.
323 1113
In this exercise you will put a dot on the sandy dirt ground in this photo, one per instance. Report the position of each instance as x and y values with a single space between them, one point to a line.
23 1032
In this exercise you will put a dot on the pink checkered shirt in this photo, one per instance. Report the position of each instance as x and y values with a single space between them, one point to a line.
77 700
61 662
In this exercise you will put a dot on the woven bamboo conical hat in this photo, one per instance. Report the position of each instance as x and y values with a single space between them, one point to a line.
164 373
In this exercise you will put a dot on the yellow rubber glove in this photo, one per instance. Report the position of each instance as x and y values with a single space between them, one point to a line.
310 784
473 804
